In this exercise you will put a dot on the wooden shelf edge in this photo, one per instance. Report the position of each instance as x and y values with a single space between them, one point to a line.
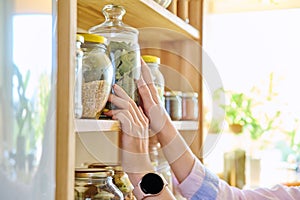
151 15
166 14
92 125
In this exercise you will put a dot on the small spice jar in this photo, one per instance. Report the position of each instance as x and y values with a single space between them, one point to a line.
189 106
95 184
173 104
78 77
97 75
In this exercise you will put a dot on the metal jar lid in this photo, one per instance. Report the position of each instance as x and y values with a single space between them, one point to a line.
173 93
115 168
190 94
93 172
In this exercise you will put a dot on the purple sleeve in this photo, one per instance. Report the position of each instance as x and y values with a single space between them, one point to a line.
205 185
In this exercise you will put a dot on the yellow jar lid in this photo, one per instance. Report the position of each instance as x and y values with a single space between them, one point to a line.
79 38
94 38
151 59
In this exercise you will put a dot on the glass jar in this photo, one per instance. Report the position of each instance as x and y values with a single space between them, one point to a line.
97 75
153 62
78 77
173 104
123 48
95 184
120 179
159 161
164 3
189 106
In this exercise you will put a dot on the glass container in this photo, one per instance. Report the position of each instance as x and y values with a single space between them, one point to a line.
78 77
96 184
97 75
153 62
159 161
120 179
164 3
189 106
124 50
173 104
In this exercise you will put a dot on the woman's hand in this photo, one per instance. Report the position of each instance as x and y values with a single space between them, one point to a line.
152 106
176 151
135 133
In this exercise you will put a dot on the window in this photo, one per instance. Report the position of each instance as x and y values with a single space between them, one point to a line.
256 53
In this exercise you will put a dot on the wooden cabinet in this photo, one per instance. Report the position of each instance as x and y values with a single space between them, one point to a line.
162 33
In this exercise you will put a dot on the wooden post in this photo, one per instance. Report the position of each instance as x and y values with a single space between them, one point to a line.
173 7
183 10
65 133
195 13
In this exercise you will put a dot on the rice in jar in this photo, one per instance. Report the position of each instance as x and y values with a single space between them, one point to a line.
97 72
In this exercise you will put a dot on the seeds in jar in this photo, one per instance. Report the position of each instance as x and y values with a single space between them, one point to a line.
94 97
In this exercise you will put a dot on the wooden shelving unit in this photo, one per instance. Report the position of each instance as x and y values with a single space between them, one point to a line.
80 15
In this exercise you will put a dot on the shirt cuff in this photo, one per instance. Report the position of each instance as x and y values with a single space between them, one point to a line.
199 182
194 180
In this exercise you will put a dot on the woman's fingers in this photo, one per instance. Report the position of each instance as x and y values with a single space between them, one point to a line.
128 125
145 94
123 101
146 75
121 93
145 119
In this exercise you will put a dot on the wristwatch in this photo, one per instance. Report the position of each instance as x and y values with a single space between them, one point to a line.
150 185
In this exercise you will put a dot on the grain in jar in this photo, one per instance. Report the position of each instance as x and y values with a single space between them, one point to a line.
189 106
97 75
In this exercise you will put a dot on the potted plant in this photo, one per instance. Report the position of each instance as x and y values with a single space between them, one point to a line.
237 111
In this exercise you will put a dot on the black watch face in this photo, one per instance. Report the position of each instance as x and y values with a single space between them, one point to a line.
151 184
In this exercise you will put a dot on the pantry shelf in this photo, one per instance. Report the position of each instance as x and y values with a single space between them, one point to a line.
139 14
92 125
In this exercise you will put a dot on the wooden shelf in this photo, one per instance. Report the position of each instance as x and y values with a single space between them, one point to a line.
139 14
91 125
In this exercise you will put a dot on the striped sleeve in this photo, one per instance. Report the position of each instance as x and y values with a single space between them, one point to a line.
202 184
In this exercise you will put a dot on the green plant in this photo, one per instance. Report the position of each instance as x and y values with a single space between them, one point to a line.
246 113
240 111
